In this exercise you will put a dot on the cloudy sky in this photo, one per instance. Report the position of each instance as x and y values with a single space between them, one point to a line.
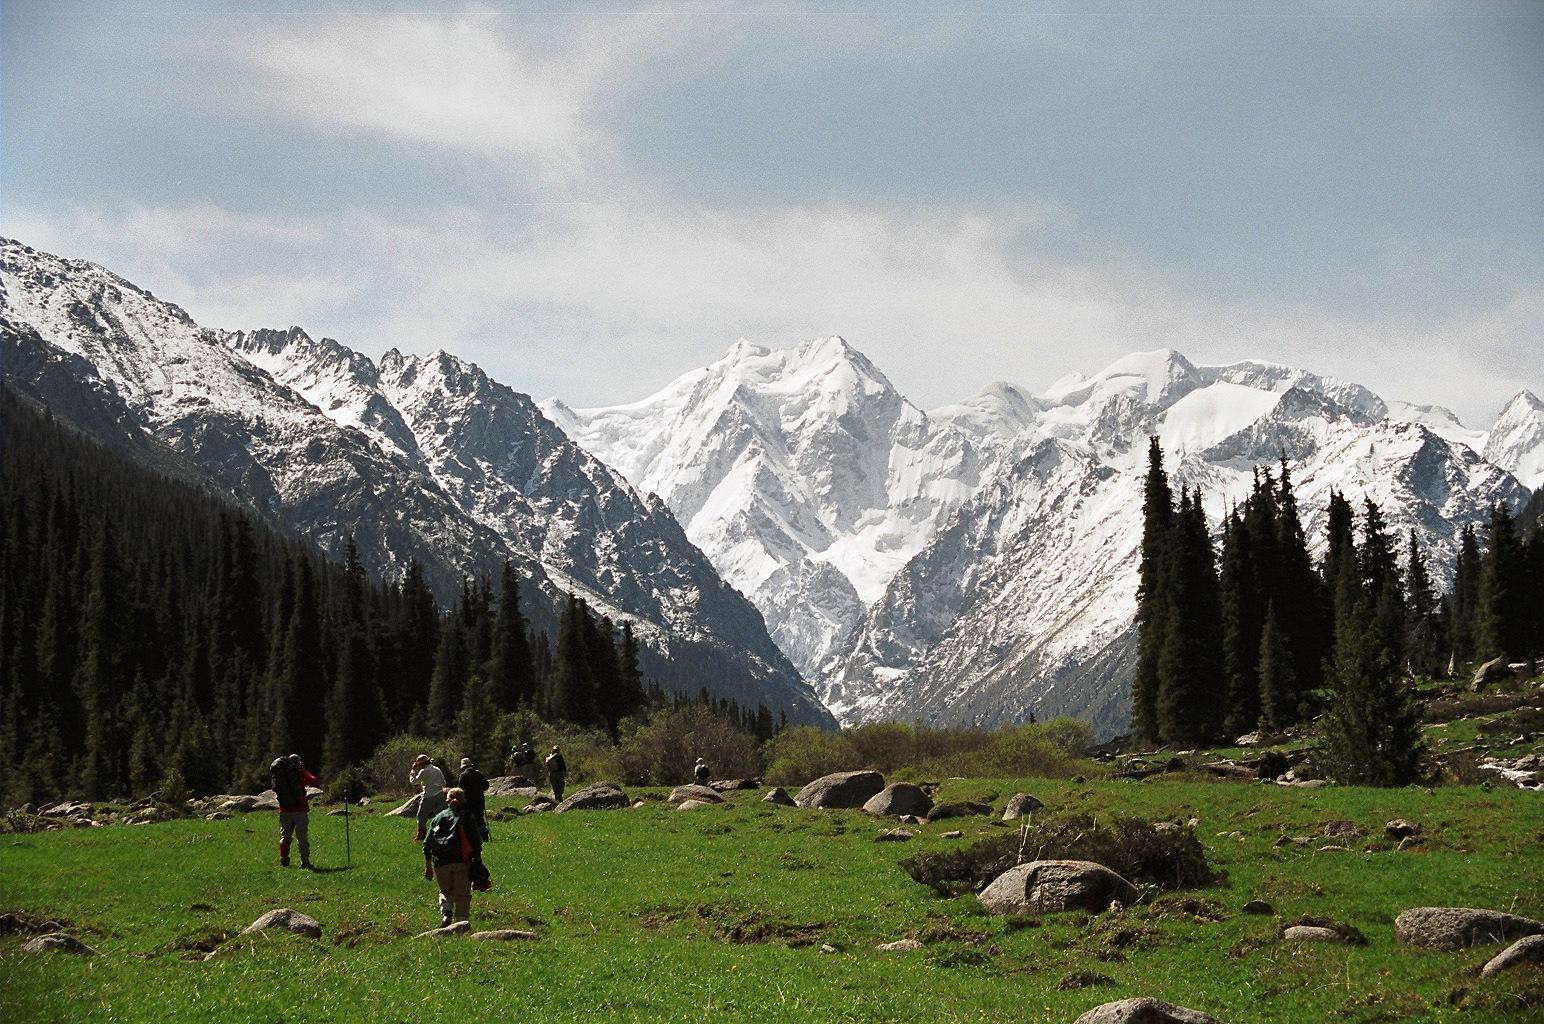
590 203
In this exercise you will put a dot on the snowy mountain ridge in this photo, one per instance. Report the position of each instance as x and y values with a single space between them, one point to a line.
422 458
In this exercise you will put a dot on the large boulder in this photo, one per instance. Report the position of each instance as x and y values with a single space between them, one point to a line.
286 920
778 795
1019 805
702 794
898 800
1492 671
58 943
407 810
1144 1010
1046 886
731 785
602 796
842 789
1460 927
510 785
1523 951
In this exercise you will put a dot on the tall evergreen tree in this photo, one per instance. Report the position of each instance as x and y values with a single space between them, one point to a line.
511 674
1298 595
452 667
1243 622
102 679
1152 600
1501 618
1279 687
1464 600
1192 692
1423 639
1372 730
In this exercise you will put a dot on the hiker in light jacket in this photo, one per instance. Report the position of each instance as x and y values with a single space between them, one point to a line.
428 777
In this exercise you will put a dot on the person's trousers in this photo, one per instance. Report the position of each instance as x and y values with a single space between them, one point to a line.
455 890
558 778
428 807
297 824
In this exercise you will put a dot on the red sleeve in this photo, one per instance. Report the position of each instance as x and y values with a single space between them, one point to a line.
306 778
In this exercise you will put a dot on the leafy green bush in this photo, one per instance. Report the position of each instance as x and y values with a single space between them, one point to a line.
1044 749
663 750
1168 857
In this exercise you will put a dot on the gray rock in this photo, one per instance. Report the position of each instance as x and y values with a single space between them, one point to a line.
1308 933
900 799
1492 671
951 835
1399 828
1020 804
1258 907
701 794
731 785
457 928
895 835
1047 886
602 796
510 785
900 946
1144 1010
842 789
286 920
217 816
1460 927
407 810
692 805
58 943
503 935
778 795
1523 951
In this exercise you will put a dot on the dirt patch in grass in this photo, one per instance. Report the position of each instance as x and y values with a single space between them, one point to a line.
19 922
196 945
1083 979
739 927
1185 908
1110 938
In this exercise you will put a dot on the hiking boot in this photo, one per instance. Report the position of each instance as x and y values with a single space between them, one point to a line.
307 865
283 862
444 920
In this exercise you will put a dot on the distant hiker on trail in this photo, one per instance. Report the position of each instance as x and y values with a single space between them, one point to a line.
452 848
700 773
427 776
289 779
557 771
522 760
475 785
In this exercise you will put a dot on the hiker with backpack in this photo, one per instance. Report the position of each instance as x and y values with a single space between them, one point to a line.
557 772
452 855
426 775
289 778
475 785
700 772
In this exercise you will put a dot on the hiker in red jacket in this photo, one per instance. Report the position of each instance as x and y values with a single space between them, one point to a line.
290 779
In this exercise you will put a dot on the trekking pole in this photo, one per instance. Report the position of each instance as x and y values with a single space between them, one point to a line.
348 846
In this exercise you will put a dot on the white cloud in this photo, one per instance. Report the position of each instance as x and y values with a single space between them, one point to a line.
602 303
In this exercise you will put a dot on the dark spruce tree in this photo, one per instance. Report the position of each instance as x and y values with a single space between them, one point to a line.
1423 633
1192 691
1152 601
1502 619
511 674
1464 600
1298 595
1243 622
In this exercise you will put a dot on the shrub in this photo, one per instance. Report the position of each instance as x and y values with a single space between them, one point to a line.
347 786
1170 857
801 753
662 750
386 770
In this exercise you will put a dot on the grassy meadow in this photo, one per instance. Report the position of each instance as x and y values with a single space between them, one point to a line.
762 913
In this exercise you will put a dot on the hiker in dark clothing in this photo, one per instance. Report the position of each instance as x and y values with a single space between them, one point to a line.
475 785
289 778
452 845
700 773
557 771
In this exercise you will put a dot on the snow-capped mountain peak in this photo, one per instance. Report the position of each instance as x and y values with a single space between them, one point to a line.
1516 442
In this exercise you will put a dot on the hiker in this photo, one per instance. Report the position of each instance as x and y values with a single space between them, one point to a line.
475 785
557 770
700 773
289 778
451 849
427 776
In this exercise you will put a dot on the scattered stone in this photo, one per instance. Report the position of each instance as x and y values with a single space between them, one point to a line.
602 796
337 812
1492 671
407 810
692 805
1046 886
1460 927
912 819
1523 951
1409 843
1309 933
1273 763
1020 804
286 920
217 816
731 785
901 798
701 794
458 928
511 785
826 947
502 935
952 835
1399 828
1144 1010
538 805
58 943
778 795
841 789
895 835
900 946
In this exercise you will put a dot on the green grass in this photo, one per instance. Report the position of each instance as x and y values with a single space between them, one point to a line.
720 914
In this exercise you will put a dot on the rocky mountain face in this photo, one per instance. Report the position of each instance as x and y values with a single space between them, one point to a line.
1516 442
416 458
803 473
1019 515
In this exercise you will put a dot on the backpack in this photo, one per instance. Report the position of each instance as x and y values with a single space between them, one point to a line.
286 782
444 843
